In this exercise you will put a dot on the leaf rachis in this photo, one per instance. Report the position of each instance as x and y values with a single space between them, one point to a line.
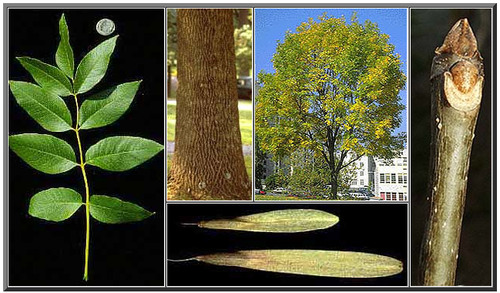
87 192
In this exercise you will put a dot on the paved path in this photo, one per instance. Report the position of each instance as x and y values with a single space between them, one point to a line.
247 149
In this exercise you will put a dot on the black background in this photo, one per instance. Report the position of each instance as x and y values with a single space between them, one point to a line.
374 228
47 253
428 30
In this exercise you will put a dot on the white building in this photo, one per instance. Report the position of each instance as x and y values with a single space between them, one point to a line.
387 179
365 169
391 178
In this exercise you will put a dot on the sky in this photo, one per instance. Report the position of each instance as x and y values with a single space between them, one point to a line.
271 25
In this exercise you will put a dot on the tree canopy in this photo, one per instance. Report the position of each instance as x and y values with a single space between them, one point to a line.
335 91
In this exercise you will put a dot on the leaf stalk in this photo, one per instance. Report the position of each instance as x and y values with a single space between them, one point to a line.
87 192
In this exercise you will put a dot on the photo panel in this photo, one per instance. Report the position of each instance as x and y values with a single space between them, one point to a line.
448 175
209 104
86 199
330 106
198 231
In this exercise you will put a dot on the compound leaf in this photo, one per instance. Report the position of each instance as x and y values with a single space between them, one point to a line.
47 76
93 66
112 210
48 109
340 264
55 204
106 107
120 153
64 54
280 221
43 152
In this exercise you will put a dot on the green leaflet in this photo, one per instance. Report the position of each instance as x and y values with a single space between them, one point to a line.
47 76
93 66
64 54
120 153
280 221
340 264
106 107
55 204
112 210
43 152
48 109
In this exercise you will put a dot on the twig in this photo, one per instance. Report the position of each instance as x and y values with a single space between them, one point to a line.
456 85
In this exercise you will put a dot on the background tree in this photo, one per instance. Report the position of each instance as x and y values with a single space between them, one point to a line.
309 176
172 47
208 159
335 92
277 179
243 41
260 164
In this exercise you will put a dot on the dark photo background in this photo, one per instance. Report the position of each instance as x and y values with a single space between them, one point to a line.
43 253
373 228
428 30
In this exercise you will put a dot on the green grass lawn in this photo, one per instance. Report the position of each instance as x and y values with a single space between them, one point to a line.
245 111
170 120
248 165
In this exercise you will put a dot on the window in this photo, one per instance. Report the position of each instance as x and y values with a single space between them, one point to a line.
393 178
405 178
382 177
387 178
361 182
391 196
382 195
354 182
400 196
400 178
405 161
361 173
361 164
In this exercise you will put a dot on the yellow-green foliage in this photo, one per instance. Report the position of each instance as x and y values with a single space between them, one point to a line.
334 91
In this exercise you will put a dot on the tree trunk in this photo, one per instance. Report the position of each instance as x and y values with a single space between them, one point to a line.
333 185
456 85
208 159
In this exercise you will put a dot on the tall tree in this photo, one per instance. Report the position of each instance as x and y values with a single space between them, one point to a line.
335 92
208 159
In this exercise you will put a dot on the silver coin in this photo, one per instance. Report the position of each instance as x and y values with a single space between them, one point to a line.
105 27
